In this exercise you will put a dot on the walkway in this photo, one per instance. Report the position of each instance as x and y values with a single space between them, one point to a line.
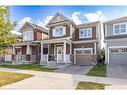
49 80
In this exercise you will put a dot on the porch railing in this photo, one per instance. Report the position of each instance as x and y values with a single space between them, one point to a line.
52 57
24 57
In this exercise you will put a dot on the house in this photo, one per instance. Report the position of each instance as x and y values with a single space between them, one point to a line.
28 49
71 43
116 41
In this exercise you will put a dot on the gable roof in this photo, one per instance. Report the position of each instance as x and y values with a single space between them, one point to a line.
58 17
35 26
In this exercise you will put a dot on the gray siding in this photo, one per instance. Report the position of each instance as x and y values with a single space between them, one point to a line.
117 43
110 30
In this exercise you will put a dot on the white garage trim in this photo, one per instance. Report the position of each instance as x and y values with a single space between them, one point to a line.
111 47
81 49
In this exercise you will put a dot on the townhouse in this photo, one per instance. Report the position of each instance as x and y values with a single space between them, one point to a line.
116 41
63 42
71 43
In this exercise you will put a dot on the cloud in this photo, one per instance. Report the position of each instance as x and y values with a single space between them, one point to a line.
44 21
97 16
22 21
75 17
20 24
15 32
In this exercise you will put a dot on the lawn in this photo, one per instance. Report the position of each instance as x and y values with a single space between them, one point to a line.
90 86
8 77
35 67
98 70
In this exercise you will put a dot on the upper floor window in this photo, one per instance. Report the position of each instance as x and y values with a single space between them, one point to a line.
85 33
28 36
59 31
120 28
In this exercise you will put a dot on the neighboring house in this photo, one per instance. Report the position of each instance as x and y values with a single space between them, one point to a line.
116 41
28 50
71 43
8 51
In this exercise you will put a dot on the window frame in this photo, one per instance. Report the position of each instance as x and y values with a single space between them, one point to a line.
84 30
29 37
55 34
114 33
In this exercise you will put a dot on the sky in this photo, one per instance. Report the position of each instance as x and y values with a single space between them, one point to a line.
40 15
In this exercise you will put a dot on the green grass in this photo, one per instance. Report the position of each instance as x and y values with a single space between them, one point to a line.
98 70
90 86
35 67
8 77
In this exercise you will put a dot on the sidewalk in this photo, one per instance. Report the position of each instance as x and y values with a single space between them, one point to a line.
49 80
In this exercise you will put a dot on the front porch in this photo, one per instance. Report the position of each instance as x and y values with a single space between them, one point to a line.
25 53
59 52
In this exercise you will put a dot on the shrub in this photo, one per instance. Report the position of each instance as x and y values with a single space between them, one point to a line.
101 56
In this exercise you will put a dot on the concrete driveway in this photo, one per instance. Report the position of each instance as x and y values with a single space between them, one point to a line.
117 71
75 69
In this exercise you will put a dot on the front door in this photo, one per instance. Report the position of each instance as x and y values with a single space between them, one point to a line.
60 54
18 56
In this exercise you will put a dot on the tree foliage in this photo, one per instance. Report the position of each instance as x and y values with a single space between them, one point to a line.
6 37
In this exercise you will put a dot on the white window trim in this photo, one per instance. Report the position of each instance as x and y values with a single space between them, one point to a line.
120 29
64 29
86 36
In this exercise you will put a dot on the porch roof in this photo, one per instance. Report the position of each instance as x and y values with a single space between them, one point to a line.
24 44
58 40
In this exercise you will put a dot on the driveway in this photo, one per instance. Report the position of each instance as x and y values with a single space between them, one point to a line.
117 71
75 69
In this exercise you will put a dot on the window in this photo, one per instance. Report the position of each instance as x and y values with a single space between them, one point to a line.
119 28
59 31
28 36
116 50
124 50
85 33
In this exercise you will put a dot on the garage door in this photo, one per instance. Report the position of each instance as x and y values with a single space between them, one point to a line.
118 56
84 57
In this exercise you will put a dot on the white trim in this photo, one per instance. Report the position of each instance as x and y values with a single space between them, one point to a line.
64 52
84 32
120 28
84 41
83 48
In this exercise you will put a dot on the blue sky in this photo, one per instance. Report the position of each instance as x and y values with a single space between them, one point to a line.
80 14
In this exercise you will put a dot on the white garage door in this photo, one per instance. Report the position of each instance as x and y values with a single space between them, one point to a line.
84 56
118 56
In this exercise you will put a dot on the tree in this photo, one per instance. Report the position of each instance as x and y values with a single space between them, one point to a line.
6 37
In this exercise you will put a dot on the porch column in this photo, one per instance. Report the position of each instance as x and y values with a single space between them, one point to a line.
64 51
41 52
70 48
13 49
28 49
95 48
